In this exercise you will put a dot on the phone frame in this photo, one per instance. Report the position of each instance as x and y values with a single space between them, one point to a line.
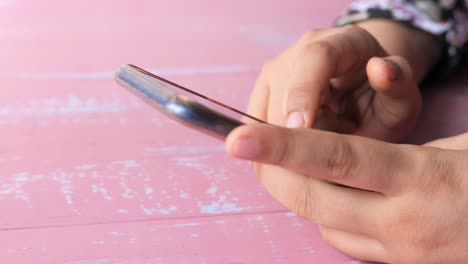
153 90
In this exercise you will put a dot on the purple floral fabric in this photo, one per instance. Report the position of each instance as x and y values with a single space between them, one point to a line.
446 19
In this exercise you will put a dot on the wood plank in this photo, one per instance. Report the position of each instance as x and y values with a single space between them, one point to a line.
252 238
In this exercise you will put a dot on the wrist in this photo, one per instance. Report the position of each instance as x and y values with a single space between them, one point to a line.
422 50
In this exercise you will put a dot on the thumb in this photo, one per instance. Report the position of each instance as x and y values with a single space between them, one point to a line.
348 160
398 100
392 77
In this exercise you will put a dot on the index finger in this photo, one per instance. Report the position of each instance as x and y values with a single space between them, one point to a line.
322 58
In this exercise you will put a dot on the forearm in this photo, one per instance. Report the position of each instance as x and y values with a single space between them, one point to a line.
421 49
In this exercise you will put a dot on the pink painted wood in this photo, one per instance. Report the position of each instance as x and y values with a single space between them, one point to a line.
89 174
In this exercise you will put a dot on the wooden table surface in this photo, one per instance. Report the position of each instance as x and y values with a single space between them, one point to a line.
90 174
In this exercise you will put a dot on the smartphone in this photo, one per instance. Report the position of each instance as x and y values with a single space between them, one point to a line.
182 104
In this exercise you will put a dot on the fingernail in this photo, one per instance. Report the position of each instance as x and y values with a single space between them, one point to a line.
296 120
394 69
245 148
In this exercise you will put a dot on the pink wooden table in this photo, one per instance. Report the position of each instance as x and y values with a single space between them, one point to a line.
89 174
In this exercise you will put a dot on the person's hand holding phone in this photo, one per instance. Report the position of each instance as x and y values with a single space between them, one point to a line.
373 200
344 80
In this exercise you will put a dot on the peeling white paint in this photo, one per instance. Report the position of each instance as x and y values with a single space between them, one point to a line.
70 105
20 180
184 196
99 188
66 184
212 190
296 222
221 206
118 234
192 162
85 167
148 190
16 184
186 224
290 214
158 211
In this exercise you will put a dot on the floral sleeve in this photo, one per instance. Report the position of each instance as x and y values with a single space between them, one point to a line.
446 19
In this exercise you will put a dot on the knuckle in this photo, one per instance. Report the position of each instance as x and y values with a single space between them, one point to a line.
310 35
353 29
300 91
415 232
341 161
300 98
285 151
305 202
370 46
357 31
319 48
438 174
266 68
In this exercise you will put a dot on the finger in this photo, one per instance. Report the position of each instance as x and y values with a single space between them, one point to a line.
258 103
397 97
349 160
392 76
327 204
350 80
317 63
357 246
329 120
459 142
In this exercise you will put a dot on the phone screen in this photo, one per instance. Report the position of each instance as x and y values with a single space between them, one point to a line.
182 104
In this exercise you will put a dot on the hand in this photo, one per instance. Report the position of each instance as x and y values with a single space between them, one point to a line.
343 80
372 200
